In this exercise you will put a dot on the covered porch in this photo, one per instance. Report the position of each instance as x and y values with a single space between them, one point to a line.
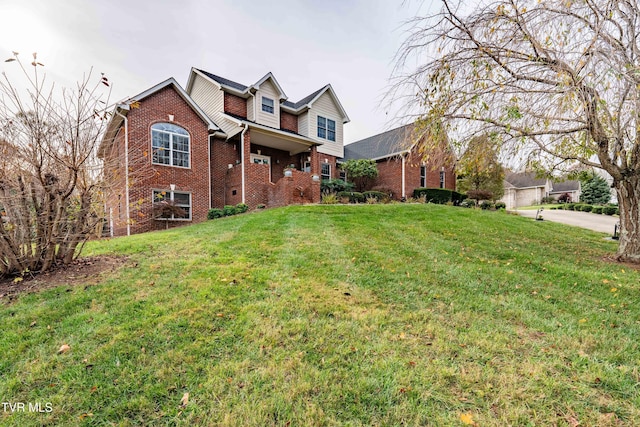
276 168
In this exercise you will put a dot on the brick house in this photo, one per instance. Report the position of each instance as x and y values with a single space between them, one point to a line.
401 168
171 154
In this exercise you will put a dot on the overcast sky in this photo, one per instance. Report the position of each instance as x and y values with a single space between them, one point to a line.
139 43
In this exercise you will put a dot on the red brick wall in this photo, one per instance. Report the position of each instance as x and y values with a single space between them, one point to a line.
235 105
390 175
288 121
224 154
145 176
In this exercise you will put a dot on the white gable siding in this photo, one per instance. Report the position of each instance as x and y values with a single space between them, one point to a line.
269 90
303 124
325 107
251 111
211 99
207 95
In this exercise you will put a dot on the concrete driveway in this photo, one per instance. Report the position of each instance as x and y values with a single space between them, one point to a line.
602 223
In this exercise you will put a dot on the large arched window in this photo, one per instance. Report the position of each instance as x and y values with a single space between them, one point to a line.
169 145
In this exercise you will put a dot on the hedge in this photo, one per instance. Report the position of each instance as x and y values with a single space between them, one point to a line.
439 195
378 195
353 196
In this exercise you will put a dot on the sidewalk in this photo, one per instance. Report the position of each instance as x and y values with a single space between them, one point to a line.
601 223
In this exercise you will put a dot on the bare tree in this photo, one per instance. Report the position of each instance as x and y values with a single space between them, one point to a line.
49 173
559 80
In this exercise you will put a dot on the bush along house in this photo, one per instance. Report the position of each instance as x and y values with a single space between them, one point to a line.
170 154
401 168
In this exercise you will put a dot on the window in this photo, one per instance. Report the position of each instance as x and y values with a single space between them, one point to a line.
169 145
326 128
325 171
343 175
306 167
267 104
171 205
423 176
442 177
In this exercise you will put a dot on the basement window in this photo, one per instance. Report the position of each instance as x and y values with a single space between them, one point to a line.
171 205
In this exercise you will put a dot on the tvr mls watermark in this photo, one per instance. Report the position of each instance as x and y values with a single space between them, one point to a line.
42 407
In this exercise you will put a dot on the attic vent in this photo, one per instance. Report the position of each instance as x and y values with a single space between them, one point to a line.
170 117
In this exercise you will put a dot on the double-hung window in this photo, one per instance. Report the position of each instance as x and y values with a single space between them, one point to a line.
326 128
325 171
170 145
423 176
442 179
267 105
173 205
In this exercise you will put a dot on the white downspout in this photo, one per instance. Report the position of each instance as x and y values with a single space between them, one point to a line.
404 195
242 168
126 170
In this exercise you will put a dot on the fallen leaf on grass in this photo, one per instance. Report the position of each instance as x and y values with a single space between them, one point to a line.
467 419
185 400
63 349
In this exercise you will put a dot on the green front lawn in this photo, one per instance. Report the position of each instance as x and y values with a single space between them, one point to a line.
336 315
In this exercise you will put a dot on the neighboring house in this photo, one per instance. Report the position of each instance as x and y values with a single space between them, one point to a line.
216 143
525 189
400 166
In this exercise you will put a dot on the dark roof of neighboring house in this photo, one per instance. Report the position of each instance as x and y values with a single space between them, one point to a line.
565 186
529 179
524 179
224 81
379 146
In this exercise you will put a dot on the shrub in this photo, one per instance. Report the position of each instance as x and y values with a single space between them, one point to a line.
438 195
215 213
501 205
335 186
547 200
486 205
353 196
609 210
586 208
597 209
571 206
469 203
241 208
480 194
377 195
229 210
329 199
261 206
564 198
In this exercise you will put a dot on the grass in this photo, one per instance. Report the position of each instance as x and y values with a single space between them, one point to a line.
336 315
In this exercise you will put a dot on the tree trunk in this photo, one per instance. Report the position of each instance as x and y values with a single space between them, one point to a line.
629 203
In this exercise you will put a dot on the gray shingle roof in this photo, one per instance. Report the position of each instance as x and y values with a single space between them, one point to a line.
382 145
566 186
524 179
303 101
224 81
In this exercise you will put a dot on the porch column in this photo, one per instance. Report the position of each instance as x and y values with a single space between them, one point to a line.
315 170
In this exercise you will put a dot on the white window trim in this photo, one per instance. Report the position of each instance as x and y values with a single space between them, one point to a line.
171 150
423 176
443 179
326 128
322 166
171 193
272 106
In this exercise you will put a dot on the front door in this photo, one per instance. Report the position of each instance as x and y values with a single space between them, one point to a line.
259 159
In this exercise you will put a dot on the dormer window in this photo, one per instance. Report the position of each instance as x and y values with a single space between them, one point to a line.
267 105
326 128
